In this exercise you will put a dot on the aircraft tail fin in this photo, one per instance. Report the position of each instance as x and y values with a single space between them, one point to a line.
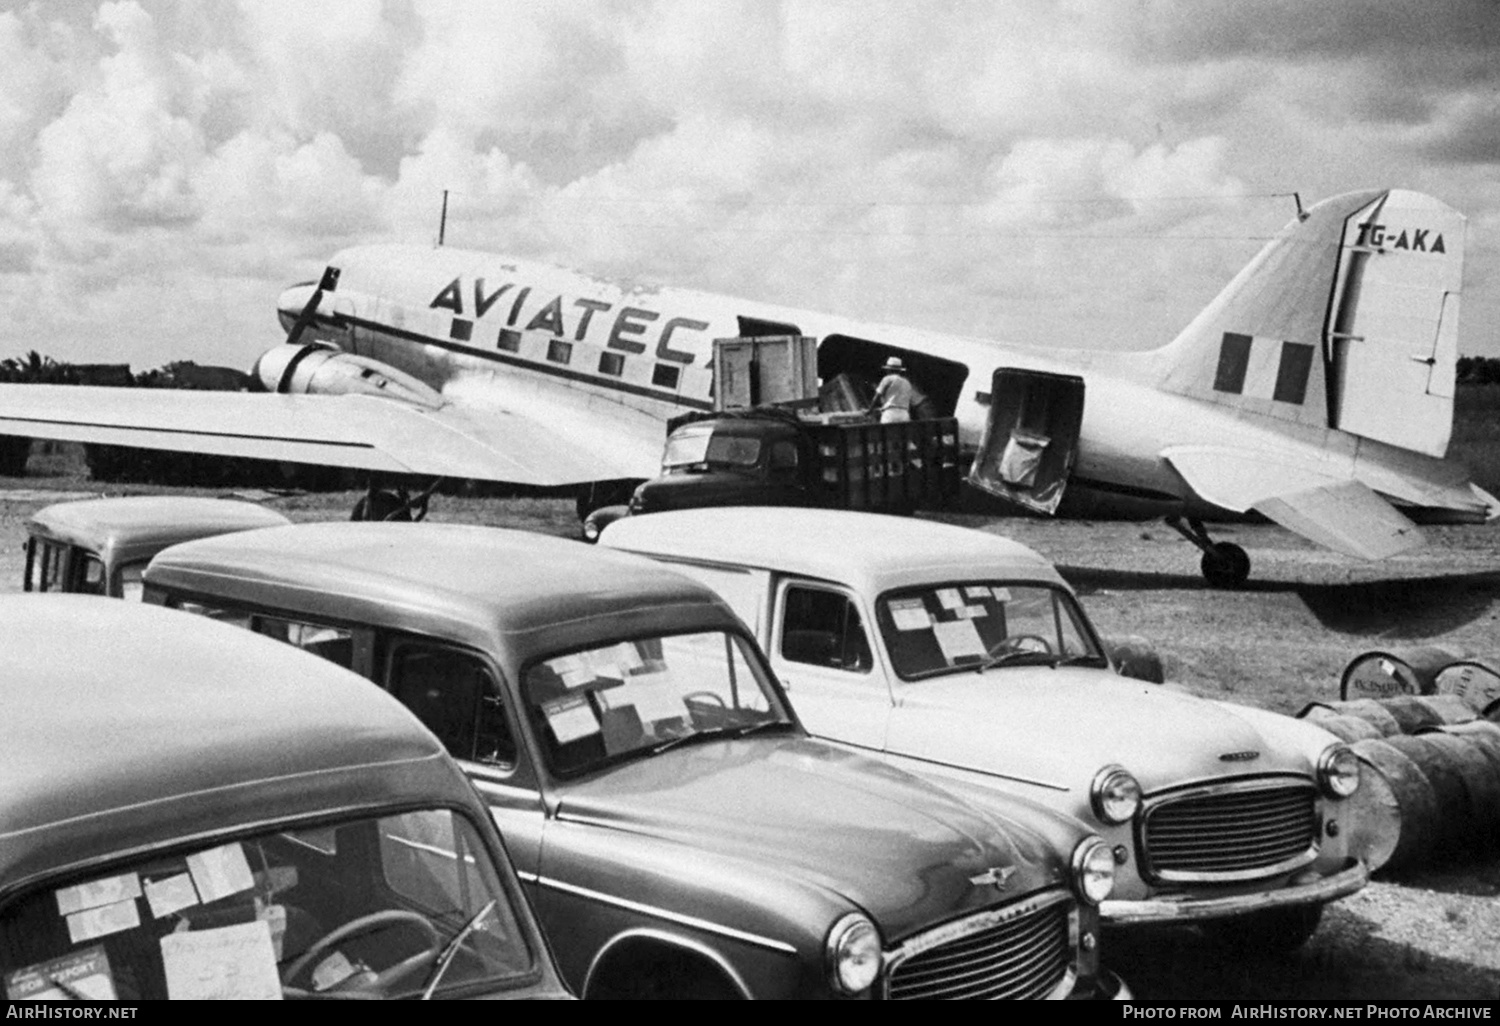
1347 319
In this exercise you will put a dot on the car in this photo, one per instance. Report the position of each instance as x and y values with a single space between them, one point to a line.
679 833
191 811
101 546
963 655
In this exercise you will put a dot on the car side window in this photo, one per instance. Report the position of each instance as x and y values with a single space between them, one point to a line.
89 573
456 697
44 568
132 587
336 644
823 628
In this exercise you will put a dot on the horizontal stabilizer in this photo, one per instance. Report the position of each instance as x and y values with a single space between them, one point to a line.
1347 518
356 431
1313 501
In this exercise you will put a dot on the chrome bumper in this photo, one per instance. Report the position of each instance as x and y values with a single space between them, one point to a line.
1187 908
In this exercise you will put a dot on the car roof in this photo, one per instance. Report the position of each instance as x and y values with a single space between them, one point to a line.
868 551
487 587
125 722
118 527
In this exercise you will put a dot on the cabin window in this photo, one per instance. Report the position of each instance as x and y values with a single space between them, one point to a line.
455 696
665 376
508 340
823 628
559 351
461 330
612 364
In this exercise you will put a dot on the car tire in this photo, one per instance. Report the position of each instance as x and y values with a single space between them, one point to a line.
1275 931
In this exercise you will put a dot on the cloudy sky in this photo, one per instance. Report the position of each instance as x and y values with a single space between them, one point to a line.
1065 172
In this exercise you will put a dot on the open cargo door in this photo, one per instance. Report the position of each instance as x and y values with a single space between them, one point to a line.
1030 441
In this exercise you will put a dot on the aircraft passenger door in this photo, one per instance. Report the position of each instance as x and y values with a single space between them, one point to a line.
1030 440
823 652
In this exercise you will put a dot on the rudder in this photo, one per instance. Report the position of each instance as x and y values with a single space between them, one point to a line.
1347 319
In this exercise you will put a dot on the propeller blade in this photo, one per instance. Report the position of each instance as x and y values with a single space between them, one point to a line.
304 318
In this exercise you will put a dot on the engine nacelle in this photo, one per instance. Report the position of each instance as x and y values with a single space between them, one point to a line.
313 369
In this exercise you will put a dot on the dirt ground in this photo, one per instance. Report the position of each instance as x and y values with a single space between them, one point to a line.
1280 643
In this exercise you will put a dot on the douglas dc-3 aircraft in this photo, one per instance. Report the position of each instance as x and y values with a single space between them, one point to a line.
1316 389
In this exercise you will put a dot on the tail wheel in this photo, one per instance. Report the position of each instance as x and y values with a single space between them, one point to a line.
1226 565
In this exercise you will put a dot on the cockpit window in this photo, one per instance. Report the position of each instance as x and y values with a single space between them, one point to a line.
642 696
381 906
968 624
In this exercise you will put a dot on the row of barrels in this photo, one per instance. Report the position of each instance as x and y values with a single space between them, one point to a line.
1430 781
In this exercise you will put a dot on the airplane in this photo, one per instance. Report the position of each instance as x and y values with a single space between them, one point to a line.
1316 390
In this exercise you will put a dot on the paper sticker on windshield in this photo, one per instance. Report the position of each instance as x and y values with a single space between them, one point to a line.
958 639
98 892
236 963
978 594
909 614
83 975
103 921
170 895
220 872
570 718
977 611
950 598
1001 594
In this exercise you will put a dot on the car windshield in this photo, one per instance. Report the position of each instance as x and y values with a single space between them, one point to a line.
632 699
389 906
979 624
701 446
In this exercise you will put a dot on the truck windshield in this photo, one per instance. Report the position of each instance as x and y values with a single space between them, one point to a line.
381 906
631 699
701 447
968 625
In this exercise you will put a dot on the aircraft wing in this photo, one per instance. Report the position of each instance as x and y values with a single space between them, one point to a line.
1338 512
359 431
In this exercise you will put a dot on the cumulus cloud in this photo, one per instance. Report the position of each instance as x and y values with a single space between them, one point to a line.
1035 169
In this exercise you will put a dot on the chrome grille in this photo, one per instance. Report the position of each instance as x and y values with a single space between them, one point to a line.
1236 832
1018 952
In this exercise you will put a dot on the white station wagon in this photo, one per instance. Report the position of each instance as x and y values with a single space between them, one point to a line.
965 656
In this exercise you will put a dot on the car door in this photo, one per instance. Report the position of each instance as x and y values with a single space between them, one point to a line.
821 650
457 694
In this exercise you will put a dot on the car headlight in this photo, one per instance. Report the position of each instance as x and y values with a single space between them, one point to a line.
853 953
1093 870
1115 795
1338 771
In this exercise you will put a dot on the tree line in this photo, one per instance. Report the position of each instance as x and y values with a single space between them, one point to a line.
1478 370
119 464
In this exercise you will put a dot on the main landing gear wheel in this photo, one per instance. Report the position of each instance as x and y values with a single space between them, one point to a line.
1224 564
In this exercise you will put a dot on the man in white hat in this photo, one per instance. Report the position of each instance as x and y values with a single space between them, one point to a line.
893 396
